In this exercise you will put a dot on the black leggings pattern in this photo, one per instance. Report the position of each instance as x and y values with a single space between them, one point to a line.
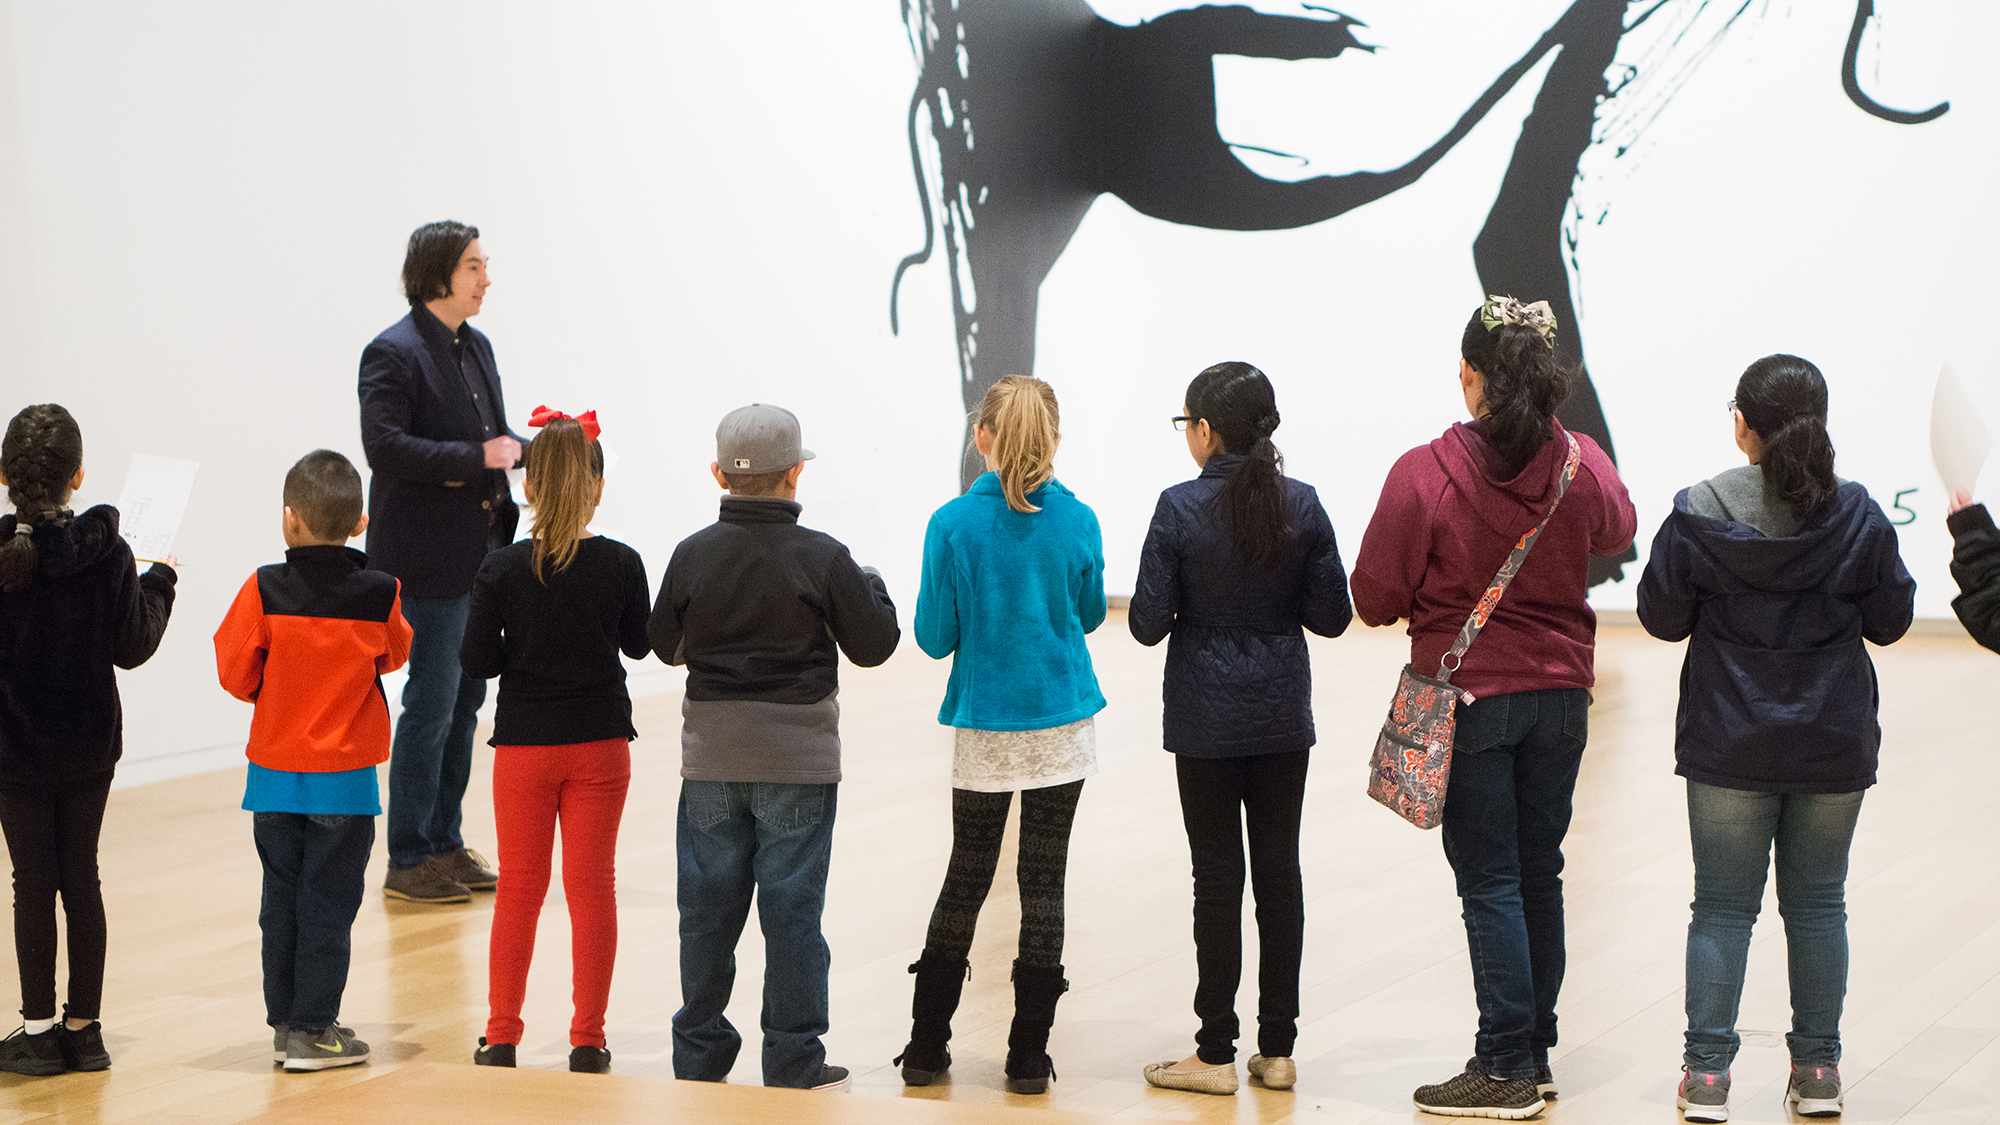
978 820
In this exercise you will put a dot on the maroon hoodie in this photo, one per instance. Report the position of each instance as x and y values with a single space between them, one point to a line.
1449 516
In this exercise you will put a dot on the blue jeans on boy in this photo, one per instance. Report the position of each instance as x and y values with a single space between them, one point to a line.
1513 772
315 869
431 761
1733 831
734 837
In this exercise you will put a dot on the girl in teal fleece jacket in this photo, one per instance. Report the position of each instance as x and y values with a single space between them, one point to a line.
1013 579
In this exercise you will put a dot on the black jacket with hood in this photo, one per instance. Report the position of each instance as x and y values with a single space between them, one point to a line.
1777 692
86 610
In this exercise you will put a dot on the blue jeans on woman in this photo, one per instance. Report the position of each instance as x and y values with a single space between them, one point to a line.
1733 831
431 760
734 837
1513 771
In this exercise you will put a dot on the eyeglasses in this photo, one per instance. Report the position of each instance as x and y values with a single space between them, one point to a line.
1181 421
1731 408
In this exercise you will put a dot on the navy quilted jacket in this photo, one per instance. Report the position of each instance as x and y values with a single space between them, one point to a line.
1238 682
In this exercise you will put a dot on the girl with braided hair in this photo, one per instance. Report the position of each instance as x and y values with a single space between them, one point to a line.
1238 563
72 606
1451 513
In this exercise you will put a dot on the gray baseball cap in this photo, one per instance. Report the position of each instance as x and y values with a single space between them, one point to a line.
759 438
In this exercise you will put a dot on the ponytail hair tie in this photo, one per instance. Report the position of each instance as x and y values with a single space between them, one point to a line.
1267 424
23 527
1500 310
543 415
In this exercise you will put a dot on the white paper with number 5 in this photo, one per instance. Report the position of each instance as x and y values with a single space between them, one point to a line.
155 497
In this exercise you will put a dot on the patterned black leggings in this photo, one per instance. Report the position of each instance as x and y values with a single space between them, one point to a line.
977 822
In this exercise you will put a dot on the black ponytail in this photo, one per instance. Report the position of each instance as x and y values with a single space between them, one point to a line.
1239 405
1783 399
1524 385
40 455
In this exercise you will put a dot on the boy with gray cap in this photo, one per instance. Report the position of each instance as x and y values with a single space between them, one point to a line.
754 605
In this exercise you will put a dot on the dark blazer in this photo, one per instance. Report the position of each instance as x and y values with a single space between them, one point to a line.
1777 693
1238 681
432 499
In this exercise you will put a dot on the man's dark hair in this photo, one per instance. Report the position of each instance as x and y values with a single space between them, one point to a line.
432 258
756 484
325 491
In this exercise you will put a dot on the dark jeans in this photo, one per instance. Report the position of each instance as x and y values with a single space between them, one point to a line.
1268 791
315 867
1513 772
735 837
1733 832
52 836
431 761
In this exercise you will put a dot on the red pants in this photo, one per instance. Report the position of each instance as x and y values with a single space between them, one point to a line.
583 785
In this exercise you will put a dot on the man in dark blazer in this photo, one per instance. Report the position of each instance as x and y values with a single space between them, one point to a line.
436 435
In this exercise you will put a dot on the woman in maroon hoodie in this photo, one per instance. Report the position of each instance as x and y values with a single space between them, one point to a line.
1450 513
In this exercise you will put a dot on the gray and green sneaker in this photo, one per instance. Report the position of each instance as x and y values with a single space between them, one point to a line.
1704 1095
307 1049
1814 1090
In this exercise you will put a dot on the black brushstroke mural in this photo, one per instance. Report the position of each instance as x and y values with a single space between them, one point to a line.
1037 107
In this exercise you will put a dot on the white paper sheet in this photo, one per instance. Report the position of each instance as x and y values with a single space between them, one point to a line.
1960 440
155 497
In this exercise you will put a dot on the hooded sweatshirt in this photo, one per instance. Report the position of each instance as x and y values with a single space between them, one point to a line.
86 610
1777 693
1450 513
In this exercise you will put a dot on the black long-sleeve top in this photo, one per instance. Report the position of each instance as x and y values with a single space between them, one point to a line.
1975 565
86 611
1238 680
555 644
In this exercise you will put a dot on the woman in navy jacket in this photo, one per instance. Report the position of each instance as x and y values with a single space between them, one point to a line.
1236 562
1777 570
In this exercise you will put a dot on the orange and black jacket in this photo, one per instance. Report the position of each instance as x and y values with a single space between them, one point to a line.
307 641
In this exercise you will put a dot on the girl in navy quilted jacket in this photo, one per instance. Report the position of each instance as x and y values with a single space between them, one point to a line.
1777 571
1239 562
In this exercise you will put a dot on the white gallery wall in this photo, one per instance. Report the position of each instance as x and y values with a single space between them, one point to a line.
688 207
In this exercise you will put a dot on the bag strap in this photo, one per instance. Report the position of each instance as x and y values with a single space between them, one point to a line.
1481 612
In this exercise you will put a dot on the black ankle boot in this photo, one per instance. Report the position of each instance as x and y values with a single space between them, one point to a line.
1036 990
940 980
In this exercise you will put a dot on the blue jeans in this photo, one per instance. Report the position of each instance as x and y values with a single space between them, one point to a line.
1513 772
431 761
733 837
1733 831
315 868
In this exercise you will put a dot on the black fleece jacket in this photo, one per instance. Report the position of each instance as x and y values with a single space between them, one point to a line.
1975 564
754 604
87 610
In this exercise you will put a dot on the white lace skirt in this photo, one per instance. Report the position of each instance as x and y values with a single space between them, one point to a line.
1001 761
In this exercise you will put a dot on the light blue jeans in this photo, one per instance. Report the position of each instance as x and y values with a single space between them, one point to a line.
1733 831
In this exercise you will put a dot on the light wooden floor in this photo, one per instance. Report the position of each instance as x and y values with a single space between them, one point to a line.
1387 994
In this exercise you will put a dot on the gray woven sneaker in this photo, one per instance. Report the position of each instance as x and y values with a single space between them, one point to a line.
307 1049
1476 1093
1814 1090
1703 1095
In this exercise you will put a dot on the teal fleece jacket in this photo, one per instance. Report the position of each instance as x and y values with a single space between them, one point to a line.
1009 596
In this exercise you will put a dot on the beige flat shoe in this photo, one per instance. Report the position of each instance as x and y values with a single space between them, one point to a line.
1277 1073
1208 1080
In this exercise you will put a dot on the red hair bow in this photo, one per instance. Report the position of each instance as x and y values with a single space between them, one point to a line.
588 420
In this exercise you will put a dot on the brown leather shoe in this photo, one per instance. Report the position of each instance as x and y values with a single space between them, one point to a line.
426 882
468 867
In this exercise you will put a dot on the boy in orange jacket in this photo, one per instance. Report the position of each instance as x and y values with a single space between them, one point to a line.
307 641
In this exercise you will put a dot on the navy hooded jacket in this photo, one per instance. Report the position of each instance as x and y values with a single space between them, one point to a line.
1777 692
1238 682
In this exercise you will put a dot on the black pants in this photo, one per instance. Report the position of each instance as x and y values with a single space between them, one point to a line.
52 837
1269 790
978 820
315 870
